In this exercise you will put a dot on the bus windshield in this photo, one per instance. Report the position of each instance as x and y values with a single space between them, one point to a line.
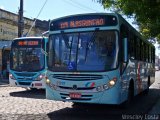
83 51
29 59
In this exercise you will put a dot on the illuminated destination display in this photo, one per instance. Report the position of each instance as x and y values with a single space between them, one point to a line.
83 21
32 42
22 43
27 43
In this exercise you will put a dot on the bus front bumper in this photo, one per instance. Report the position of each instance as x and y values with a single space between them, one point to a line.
26 84
111 96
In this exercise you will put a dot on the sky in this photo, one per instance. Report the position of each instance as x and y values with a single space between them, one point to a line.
55 8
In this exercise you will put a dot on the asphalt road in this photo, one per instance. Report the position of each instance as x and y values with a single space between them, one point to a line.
17 104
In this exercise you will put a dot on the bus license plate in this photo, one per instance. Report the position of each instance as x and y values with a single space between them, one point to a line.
75 95
38 84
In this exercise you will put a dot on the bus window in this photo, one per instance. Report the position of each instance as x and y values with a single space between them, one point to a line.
85 51
23 59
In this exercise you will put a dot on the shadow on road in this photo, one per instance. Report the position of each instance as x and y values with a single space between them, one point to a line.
36 94
87 112
141 105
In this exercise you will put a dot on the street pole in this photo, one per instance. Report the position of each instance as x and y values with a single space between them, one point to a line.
20 20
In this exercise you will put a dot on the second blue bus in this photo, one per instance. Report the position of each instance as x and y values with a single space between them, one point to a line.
28 62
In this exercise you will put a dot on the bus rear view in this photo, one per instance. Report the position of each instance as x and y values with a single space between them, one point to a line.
28 62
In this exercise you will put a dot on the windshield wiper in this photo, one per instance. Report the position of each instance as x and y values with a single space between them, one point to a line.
90 42
92 38
68 44
65 39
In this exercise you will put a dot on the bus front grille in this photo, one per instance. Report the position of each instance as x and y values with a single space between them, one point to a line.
77 77
79 88
26 74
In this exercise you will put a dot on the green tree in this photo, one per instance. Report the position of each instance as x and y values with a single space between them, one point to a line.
145 12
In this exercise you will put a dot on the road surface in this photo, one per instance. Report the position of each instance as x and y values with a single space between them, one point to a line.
18 103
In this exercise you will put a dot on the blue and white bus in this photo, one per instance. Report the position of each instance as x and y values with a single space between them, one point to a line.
97 58
28 62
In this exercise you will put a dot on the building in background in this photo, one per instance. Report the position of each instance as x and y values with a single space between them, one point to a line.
9 31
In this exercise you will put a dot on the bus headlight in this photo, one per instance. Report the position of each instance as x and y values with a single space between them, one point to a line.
99 88
102 88
47 81
105 86
40 77
112 82
11 76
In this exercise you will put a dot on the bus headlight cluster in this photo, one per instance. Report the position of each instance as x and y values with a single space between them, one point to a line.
48 82
99 88
105 86
54 87
12 76
110 84
102 88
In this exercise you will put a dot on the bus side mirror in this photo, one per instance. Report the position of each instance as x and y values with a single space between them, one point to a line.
125 50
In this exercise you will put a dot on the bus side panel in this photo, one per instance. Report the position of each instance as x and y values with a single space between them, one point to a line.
139 72
128 73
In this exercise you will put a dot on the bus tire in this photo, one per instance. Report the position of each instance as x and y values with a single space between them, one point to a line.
130 95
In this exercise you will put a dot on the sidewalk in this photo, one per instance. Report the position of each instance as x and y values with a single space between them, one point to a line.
156 108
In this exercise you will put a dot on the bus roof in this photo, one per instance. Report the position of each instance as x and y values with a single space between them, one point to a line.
32 37
84 14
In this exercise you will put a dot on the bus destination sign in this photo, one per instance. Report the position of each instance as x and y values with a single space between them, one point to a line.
83 21
23 43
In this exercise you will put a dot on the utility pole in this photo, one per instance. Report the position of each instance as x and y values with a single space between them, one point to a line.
20 20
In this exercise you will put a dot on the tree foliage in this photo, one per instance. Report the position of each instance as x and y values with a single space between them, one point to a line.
145 12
